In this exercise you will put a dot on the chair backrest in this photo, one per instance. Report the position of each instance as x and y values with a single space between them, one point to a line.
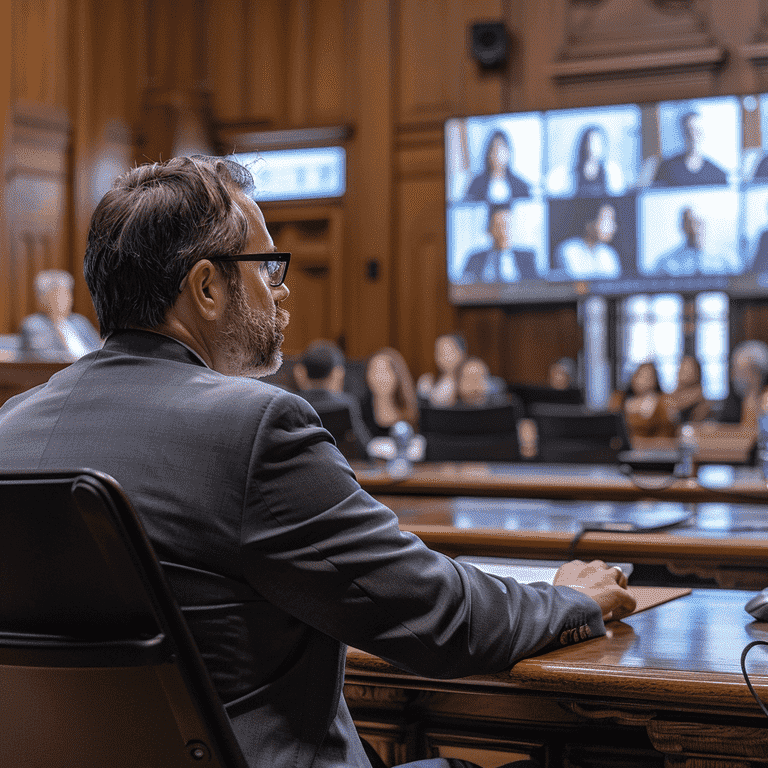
470 434
538 394
97 665
574 434
338 421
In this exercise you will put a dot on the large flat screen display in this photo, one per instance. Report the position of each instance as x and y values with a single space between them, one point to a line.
613 200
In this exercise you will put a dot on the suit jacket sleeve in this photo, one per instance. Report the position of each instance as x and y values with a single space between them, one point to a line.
315 544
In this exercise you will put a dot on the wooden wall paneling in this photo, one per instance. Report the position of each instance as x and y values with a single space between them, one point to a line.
178 118
328 45
642 50
421 312
754 47
299 62
437 76
268 61
39 44
227 27
534 337
368 203
109 46
37 198
313 235
484 331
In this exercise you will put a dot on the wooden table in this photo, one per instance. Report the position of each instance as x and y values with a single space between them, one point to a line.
724 542
561 481
665 685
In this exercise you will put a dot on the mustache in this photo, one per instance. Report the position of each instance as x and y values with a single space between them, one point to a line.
282 317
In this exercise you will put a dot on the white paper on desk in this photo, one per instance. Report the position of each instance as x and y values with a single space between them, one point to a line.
525 571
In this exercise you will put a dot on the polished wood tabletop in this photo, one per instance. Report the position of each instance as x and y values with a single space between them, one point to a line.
665 682
562 481
684 652
725 541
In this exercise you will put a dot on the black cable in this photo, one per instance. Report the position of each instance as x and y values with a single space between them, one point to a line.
746 676
571 553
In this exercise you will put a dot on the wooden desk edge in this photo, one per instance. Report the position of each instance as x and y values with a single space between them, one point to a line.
551 674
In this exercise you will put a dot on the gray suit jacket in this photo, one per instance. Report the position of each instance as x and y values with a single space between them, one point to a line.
277 556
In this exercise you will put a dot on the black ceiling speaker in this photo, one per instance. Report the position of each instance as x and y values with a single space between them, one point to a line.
489 43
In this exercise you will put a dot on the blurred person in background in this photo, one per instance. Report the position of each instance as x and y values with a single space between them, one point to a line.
476 388
687 400
392 392
644 405
57 333
562 374
441 390
749 374
320 376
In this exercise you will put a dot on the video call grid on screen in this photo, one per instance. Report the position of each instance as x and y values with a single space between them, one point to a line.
632 198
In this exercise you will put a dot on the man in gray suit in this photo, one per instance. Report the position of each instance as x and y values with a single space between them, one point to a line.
278 558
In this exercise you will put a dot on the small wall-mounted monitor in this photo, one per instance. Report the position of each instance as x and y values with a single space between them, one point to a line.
297 174
614 200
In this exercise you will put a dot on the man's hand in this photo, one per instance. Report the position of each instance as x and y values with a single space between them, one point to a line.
606 586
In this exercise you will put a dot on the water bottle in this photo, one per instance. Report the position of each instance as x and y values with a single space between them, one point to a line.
401 433
687 447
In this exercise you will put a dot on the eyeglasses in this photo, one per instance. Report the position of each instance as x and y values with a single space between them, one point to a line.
275 264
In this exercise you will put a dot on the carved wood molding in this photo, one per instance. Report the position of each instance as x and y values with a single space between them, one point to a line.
609 39
619 715
360 695
709 59
708 740
41 137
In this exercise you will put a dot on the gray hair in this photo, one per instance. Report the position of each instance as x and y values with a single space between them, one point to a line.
756 352
52 278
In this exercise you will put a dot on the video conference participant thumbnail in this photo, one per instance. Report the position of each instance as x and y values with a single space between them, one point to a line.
502 262
592 238
685 236
592 152
699 143
497 183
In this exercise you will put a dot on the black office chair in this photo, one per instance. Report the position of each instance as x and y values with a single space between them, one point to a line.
338 421
470 434
538 394
97 665
572 434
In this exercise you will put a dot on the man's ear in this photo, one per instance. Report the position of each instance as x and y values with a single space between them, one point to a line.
206 291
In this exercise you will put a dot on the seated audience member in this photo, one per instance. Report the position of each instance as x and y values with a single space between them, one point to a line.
749 375
644 405
319 376
441 390
476 388
57 333
687 401
278 557
562 374
392 392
